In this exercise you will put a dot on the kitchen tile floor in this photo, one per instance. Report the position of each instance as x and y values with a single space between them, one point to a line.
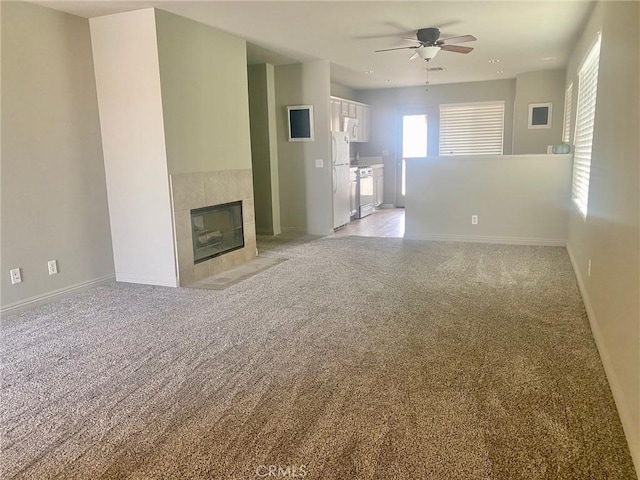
381 223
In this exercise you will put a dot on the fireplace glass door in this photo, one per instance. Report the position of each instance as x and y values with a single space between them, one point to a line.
216 230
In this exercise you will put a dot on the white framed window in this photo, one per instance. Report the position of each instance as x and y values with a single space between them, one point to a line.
568 103
472 128
585 121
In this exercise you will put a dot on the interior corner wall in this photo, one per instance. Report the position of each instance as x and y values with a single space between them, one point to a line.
264 153
131 119
273 150
205 102
54 199
306 198
610 235
546 86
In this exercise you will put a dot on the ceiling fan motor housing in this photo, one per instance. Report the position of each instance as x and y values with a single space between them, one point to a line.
428 36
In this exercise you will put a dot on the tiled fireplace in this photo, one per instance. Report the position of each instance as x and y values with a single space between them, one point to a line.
199 244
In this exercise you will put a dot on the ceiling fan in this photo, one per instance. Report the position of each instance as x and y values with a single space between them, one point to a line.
430 44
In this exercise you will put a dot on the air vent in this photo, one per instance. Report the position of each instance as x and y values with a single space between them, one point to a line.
434 69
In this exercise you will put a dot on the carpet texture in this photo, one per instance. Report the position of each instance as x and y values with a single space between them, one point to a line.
357 358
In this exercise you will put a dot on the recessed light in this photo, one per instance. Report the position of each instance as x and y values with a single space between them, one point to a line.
500 71
369 72
494 60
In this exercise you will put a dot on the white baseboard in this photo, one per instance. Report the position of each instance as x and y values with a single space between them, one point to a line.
147 279
48 297
294 229
625 418
546 242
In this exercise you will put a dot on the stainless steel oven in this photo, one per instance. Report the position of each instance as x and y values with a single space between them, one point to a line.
364 191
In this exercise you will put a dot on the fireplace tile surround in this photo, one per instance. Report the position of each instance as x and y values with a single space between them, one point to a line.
197 190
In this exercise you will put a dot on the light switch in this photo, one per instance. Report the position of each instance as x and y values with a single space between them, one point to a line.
319 163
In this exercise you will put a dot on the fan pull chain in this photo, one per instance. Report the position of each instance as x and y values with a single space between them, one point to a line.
427 89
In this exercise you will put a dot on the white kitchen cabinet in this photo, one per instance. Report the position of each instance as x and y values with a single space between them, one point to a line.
352 110
378 185
365 123
360 117
341 109
335 115
344 108
363 114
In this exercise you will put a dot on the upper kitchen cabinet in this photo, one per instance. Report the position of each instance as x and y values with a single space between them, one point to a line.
352 110
336 114
342 108
364 122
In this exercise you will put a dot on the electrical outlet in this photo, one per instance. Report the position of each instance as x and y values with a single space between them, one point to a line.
319 163
53 267
474 219
16 277
589 269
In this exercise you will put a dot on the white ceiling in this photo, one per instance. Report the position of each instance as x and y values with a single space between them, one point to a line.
523 35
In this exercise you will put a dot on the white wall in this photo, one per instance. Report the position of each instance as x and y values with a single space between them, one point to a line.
54 200
518 199
306 193
610 235
203 76
546 86
129 97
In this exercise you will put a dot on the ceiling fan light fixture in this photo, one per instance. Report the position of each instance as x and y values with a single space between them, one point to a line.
428 53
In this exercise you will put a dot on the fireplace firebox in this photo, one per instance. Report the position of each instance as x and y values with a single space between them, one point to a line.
216 230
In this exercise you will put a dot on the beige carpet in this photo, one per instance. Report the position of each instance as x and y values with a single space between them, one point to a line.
357 358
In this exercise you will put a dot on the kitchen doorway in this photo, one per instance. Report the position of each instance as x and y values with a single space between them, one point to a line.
414 145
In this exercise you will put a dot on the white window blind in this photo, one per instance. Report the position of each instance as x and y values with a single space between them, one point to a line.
472 128
568 103
585 120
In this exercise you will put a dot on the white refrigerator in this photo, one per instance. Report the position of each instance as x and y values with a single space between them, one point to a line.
340 166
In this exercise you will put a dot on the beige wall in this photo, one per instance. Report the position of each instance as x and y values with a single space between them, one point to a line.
546 86
203 76
610 235
518 199
264 150
306 193
173 101
54 201
128 84
387 105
